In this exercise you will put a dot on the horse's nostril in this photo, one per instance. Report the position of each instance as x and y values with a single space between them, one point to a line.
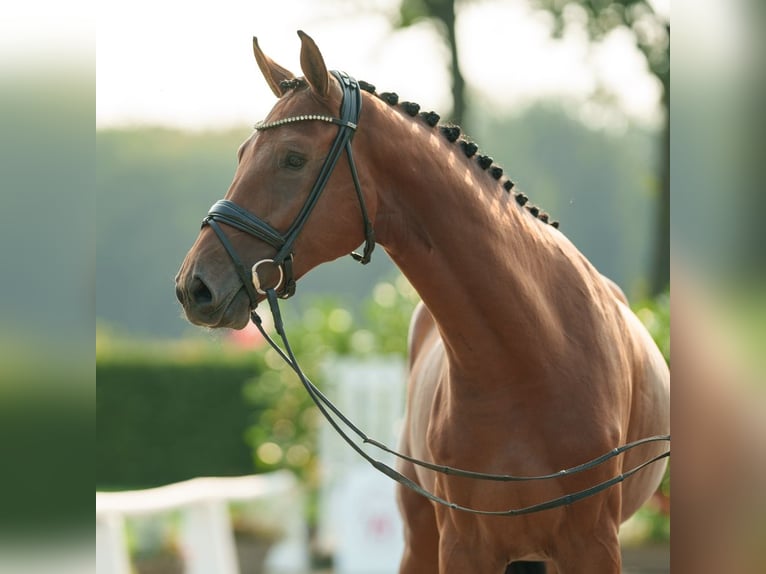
200 292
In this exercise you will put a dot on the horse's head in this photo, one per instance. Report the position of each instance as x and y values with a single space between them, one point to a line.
273 210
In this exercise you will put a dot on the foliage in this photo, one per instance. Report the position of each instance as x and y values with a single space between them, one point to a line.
169 413
651 31
153 537
178 408
285 433
442 12
654 516
655 315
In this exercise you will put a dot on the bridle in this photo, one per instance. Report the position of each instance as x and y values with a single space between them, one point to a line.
227 212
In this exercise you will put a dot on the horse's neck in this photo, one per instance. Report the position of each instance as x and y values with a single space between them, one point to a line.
490 273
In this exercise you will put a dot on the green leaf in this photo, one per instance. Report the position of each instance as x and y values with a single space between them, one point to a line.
411 12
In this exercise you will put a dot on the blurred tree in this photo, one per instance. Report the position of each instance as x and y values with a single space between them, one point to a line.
443 12
651 31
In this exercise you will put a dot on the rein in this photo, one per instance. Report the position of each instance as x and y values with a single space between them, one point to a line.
325 406
225 211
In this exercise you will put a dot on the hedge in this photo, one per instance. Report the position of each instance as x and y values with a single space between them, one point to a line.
161 421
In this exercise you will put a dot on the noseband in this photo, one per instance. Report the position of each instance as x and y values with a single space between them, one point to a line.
228 212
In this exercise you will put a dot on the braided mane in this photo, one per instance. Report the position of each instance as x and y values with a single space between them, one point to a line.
453 134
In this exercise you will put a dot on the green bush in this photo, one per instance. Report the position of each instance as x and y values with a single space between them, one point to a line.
655 315
164 417
285 432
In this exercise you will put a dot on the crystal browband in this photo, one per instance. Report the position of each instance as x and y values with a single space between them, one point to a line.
304 118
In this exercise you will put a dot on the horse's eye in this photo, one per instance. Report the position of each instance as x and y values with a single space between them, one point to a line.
294 161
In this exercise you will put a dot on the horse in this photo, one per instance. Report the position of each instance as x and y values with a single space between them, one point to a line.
523 358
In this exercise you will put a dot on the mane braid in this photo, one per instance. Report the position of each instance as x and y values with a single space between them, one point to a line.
411 108
391 98
469 148
431 118
485 161
366 86
293 84
450 132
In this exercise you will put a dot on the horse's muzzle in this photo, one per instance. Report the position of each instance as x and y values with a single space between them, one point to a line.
208 306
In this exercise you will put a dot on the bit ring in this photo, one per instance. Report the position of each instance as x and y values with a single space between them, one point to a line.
257 281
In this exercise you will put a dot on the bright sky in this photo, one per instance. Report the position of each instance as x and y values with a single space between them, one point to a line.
190 64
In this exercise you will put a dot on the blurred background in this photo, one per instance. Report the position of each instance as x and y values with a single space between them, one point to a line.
571 97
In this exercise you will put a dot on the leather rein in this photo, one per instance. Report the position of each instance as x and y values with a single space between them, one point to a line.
227 212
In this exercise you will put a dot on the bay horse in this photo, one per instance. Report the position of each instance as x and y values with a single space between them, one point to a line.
523 358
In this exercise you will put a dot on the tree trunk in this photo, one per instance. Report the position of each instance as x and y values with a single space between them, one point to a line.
458 82
444 12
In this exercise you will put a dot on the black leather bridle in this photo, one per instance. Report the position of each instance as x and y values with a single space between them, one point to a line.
227 212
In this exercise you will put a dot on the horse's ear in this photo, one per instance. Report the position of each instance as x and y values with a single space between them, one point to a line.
273 72
313 66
